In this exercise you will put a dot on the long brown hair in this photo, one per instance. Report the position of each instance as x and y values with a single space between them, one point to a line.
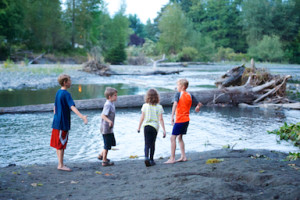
152 97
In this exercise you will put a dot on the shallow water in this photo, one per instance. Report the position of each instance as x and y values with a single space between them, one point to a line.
25 137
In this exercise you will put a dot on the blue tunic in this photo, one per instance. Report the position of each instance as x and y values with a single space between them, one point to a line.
62 116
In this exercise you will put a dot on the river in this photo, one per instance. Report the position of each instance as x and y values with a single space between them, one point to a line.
25 138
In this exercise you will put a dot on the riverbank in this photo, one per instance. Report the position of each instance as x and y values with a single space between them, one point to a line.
241 174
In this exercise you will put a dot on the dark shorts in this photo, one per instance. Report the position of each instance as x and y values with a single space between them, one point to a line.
109 141
180 128
59 139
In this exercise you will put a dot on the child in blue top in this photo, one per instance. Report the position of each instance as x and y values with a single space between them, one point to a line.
62 119
152 114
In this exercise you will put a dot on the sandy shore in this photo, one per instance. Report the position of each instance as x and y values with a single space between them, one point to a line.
243 174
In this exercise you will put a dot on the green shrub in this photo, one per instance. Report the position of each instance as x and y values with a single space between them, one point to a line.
116 55
150 48
223 54
188 54
268 49
289 132
8 63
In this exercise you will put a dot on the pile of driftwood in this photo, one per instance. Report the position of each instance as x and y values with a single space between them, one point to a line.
96 67
257 85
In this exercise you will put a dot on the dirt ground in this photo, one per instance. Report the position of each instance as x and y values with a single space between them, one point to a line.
241 174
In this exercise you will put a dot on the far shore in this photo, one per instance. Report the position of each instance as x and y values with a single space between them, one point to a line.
240 174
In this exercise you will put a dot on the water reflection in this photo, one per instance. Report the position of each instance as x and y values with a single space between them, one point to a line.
30 96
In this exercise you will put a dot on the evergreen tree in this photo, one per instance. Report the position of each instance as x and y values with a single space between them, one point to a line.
44 25
219 19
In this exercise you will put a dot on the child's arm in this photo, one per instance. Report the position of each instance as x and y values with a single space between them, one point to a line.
141 122
199 105
83 117
161 119
173 111
104 117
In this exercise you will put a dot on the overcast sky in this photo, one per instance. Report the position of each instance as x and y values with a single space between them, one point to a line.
144 9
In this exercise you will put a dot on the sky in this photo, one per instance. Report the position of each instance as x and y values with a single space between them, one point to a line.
144 9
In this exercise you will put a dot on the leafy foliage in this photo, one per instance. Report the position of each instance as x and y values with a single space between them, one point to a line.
289 132
188 54
268 49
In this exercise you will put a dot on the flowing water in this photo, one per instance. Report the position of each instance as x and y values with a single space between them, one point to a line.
25 138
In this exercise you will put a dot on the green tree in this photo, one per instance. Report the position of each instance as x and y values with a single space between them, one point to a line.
268 49
12 28
219 19
117 34
83 17
268 17
137 26
151 31
174 28
44 24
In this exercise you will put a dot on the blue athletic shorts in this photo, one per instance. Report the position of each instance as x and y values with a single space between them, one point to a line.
180 128
109 141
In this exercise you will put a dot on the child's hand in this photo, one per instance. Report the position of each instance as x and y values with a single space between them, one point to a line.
172 121
164 134
85 120
138 130
197 109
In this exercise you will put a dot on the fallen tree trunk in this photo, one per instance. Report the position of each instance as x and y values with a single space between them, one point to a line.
234 95
226 96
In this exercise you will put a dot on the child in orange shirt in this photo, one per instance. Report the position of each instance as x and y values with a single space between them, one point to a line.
181 106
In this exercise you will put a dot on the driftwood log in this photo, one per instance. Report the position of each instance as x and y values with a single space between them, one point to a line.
96 67
269 93
230 96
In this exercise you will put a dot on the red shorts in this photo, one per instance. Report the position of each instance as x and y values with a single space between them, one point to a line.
59 139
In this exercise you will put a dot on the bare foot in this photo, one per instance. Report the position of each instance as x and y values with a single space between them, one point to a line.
182 160
170 161
64 168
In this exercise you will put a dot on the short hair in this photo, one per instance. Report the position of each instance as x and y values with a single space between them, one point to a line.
183 82
152 97
109 91
63 78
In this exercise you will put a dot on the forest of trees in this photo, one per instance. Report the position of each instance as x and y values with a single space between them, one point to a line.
184 30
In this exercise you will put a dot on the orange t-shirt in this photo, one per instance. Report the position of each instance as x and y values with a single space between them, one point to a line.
184 104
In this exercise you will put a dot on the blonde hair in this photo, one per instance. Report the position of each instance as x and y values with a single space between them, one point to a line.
63 78
152 97
109 92
183 82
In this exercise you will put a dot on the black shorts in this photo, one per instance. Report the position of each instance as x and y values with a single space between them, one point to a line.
109 141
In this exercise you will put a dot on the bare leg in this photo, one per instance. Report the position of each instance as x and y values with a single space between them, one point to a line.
104 153
60 155
173 148
182 149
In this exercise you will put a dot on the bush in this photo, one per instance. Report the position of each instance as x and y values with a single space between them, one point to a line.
135 56
268 49
150 48
8 63
116 55
188 54
223 54
289 132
